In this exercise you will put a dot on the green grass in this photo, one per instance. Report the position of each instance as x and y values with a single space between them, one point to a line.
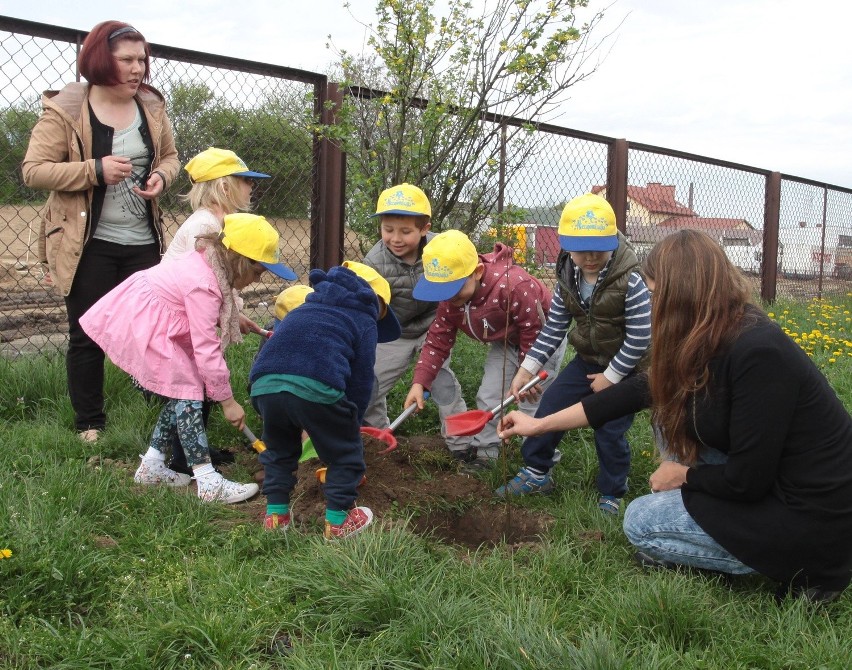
105 575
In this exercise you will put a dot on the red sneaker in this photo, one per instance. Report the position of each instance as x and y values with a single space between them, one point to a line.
356 521
277 522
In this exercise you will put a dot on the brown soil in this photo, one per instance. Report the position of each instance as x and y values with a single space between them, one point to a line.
418 484
421 481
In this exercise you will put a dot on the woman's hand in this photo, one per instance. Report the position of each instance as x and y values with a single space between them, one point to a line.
116 169
670 475
153 187
518 423
234 413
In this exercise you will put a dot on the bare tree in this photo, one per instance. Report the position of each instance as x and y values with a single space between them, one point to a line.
429 99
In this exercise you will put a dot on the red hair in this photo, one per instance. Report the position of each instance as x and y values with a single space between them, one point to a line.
96 62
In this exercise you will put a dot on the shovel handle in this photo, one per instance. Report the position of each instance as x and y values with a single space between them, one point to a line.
256 444
540 377
407 412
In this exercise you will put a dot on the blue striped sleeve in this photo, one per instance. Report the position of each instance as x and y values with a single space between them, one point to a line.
637 330
550 336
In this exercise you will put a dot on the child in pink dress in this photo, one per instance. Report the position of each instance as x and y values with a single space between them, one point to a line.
159 326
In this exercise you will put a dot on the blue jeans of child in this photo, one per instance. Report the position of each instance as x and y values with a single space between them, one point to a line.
659 525
611 445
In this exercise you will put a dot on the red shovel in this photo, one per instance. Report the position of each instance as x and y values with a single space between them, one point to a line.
386 434
471 422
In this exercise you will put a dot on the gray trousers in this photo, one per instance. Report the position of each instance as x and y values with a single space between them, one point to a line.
501 364
392 362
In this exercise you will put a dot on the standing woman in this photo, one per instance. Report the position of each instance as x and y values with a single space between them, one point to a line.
106 152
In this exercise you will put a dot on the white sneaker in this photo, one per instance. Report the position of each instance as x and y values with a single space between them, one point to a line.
218 489
91 435
154 471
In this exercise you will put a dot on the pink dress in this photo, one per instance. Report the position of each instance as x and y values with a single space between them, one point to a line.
159 325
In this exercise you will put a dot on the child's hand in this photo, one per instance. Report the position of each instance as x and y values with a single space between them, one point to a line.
599 381
234 413
249 326
522 377
415 395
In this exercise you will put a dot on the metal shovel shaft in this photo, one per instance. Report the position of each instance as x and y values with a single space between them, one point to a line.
540 377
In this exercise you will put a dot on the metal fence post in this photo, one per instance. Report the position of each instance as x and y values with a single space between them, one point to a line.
771 223
327 228
616 181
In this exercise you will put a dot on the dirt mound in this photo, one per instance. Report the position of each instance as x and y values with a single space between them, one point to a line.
422 481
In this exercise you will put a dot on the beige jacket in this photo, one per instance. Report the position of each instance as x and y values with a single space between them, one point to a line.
59 159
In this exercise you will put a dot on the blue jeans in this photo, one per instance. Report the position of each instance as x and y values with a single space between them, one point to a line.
659 525
568 388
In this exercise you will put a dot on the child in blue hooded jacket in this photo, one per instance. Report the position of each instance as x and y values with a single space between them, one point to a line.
316 374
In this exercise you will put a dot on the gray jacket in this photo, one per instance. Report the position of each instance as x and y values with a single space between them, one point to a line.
415 316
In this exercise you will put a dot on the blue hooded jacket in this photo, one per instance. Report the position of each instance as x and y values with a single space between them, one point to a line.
331 338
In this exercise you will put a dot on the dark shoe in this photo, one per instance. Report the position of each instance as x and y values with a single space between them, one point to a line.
464 455
650 562
220 456
813 595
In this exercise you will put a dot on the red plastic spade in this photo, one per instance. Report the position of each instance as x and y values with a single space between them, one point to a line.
386 434
472 421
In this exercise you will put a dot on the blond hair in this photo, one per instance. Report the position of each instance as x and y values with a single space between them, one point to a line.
237 267
223 193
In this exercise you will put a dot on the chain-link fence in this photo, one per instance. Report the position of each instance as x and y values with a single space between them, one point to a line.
266 114
792 235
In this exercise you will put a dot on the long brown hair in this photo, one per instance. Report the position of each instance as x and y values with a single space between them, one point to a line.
698 303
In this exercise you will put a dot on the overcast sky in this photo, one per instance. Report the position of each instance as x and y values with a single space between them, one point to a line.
766 83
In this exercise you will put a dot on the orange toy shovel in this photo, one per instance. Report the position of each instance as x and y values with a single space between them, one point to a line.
472 421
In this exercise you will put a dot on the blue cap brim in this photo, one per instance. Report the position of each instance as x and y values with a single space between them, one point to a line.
253 175
437 291
572 243
281 270
398 212
388 328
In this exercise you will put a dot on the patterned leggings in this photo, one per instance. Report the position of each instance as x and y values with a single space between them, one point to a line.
182 418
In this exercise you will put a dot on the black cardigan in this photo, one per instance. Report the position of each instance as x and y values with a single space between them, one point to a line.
782 504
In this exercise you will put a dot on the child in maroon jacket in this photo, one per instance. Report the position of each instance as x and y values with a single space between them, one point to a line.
492 300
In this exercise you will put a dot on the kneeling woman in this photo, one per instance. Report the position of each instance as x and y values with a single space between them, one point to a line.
757 448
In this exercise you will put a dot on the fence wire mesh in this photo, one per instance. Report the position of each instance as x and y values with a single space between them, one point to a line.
268 115
265 117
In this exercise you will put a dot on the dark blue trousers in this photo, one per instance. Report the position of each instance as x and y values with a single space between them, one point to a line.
336 434
568 388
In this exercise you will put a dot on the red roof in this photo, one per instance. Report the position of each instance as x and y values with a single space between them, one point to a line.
655 197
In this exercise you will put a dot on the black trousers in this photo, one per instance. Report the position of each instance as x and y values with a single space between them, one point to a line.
103 266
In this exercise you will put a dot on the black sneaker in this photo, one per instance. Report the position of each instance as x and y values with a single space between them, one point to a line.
464 455
220 456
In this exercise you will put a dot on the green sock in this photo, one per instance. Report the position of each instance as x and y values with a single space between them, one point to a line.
277 509
335 517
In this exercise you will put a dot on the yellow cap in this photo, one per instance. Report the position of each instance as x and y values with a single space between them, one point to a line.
404 200
448 260
378 283
588 224
290 298
388 325
214 163
254 237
